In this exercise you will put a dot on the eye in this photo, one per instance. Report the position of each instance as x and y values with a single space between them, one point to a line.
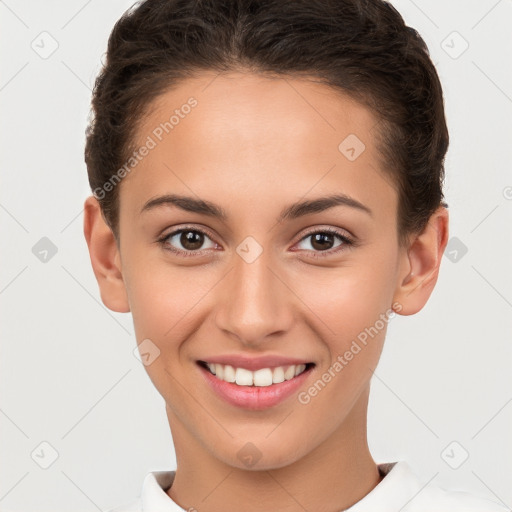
190 239
322 242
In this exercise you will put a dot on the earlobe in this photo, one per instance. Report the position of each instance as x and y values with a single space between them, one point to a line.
420 264
105 258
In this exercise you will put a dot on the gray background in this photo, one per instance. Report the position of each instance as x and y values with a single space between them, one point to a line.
69 377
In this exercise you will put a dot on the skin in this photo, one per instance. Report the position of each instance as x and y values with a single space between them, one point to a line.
254 145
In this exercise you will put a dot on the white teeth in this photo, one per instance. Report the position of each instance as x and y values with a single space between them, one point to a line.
243 377
262 377
289 373
229 373
278 375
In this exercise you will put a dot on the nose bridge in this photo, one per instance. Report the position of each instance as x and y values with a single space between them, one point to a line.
254 304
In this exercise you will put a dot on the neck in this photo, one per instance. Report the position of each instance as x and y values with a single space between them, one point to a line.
333 476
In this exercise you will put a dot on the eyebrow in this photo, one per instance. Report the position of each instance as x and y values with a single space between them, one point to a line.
293 211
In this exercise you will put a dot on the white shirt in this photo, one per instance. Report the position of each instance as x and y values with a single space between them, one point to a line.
400 490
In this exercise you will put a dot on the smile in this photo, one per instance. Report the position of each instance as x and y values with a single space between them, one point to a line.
259 378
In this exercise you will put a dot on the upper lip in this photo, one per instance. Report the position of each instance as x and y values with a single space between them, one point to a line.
254 363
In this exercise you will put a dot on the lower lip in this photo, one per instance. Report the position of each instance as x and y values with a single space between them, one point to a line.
255 397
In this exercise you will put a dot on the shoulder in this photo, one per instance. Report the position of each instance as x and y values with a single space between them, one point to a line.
414 495
456 501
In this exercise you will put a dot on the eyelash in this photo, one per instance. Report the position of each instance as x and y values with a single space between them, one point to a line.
347 242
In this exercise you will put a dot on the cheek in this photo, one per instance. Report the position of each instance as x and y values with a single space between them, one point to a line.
353 331
164 306
166 300
347 299
349 304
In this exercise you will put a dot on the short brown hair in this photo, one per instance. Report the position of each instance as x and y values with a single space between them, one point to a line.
360 47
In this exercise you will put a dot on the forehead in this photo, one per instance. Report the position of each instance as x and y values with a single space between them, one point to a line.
242 133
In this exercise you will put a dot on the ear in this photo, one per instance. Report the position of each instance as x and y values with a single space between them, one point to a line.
420 263
105 257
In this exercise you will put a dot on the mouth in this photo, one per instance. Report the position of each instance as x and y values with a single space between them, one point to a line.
258 389
262 377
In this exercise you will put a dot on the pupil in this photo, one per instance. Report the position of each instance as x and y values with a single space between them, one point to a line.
320 238
191 240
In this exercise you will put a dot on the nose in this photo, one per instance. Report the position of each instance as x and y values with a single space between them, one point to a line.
255 303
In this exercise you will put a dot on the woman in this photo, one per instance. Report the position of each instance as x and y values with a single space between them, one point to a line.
267 195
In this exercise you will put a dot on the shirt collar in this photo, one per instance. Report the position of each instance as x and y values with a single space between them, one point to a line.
399 486
153 495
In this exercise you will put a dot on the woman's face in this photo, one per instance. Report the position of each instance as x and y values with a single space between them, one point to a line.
306 284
